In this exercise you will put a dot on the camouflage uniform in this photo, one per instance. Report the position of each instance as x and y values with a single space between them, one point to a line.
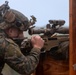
10 53
61 52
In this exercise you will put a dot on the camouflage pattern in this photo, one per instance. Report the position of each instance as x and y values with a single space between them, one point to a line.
10 53
61 52
14 18
22 19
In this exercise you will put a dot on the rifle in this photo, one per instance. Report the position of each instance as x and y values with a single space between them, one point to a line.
49 35
52 57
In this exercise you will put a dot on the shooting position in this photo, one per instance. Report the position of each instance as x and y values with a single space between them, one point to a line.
12 25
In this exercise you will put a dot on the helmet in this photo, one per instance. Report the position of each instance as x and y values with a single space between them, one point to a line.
14 18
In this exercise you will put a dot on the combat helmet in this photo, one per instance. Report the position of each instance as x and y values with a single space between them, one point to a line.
16 19
11 17
20 21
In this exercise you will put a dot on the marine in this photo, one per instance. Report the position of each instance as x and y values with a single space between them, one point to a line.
12 25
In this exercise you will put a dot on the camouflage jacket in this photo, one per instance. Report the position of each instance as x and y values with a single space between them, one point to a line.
10 53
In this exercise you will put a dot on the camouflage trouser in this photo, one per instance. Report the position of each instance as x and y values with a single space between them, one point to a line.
60 52
64 49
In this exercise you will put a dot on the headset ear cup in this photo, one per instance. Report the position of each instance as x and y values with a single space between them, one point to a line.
9 16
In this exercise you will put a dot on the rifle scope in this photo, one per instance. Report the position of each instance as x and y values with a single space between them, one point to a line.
57 22
39 31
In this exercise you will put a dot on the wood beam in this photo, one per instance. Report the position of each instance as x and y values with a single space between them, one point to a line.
72 21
